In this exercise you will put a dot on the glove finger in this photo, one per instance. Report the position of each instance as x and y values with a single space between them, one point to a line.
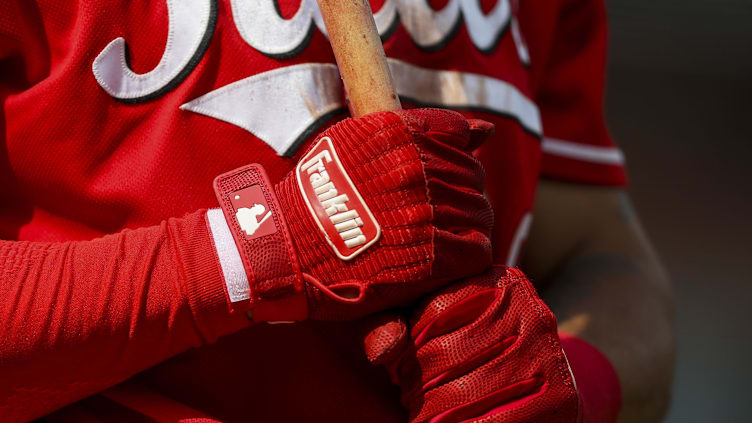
506 381
550 406
460 339
532 367
428 310
448 125
510 316
458 255
384 337
457 211
532 400
480 407
480 131
447 163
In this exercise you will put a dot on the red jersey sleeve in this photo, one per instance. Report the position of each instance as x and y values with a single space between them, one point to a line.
77 317
568 57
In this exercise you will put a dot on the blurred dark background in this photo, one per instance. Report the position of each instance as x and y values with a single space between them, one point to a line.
678 102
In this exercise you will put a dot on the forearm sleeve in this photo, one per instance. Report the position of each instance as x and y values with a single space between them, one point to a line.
77 317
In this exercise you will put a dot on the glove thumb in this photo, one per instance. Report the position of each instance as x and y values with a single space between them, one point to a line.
384 338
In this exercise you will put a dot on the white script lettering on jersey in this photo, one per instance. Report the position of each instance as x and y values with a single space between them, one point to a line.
191 23
304 96
261 26
283 105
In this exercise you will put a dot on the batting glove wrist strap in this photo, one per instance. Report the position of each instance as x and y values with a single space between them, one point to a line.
260 231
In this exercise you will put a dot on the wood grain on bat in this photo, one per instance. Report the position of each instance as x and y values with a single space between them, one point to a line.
360 56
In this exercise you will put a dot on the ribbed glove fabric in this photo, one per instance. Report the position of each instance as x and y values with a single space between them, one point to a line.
380 210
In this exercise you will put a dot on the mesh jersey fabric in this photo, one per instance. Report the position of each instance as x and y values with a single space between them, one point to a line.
569 80
78 164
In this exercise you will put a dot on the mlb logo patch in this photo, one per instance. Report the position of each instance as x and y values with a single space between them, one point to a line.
252 212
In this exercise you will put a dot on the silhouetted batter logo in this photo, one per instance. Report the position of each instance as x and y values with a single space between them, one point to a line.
252 212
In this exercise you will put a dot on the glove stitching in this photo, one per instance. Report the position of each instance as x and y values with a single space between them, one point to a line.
400 206
386 267
540 308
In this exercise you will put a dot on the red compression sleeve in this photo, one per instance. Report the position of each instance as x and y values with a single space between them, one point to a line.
77 317
597 381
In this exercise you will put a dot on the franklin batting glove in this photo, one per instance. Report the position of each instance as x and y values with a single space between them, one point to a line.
381 210
485 350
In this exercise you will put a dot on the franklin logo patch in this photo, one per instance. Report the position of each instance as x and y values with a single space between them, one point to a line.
336 206
252 212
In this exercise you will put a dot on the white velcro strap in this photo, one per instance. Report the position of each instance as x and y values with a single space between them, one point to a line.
236 279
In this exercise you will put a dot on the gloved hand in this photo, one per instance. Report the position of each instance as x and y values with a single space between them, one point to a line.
485 349
381 210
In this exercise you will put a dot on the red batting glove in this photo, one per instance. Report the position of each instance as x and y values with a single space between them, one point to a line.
381 210
485 349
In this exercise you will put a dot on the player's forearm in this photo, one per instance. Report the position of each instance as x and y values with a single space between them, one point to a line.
611 291
620 315
80 316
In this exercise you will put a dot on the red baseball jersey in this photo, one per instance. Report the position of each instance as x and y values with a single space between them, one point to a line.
118 115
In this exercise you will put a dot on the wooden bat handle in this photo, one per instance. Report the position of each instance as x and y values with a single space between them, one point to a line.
360 56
